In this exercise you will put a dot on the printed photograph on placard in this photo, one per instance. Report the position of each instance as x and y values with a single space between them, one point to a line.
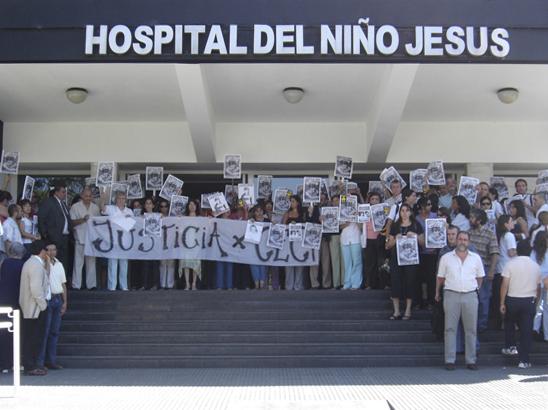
264 187
348 208
330 219
281 201
246 194
379 214
135 190
499 184
253 232
407 249
541 188
491 220
232 167
28 187
311 190
116 187
390 174
137 211
172 186
231 194
295 232
436 233
177 205
312 236
276 236
9 163
91 184
418 180
376 186
336 187
105 174
364 213
325 188
436 173
153 224
542 177
204 202
343 167
218 204
468 189
154 178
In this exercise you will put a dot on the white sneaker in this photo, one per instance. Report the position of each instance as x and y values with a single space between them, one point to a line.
510 351
524 365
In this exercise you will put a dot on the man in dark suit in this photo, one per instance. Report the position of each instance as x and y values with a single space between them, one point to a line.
54 222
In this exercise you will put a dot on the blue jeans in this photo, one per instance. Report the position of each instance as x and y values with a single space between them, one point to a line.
258 272
113 273
48 350
224 275
484 299
353 265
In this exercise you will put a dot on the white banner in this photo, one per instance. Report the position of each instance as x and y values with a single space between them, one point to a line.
192 238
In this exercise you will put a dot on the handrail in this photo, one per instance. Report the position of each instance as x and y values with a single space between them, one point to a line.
13 326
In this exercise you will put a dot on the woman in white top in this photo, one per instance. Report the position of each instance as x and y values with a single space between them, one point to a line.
26 224
194 265
508 250
461 213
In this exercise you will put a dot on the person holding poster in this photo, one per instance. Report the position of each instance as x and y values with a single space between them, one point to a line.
374 252
149 270
258 272
404 278
351 249
27 225
294 279
428 259
167 266
194 265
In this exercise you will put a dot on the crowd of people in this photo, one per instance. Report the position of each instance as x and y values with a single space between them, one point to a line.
481 273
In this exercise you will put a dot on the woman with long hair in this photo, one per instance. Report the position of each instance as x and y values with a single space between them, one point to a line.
461 213
258 272
428 257
194 265
539 255
403 277
508 249
516 210
294 279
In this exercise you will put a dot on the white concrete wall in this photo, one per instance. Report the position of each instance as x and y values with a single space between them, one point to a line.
499 142
72 142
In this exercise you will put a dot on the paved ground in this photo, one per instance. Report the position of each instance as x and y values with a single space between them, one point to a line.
276 389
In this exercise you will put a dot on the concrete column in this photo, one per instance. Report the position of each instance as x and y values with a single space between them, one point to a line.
481 170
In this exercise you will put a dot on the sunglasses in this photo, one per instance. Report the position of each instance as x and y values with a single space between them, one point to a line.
486 203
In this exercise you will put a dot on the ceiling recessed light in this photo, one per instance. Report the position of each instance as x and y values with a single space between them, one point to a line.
76 95
293 94
508 95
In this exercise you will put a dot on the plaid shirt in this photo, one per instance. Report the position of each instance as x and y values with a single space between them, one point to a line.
485 241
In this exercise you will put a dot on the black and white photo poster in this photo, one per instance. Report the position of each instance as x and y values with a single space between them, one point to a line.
436 233
295 232
204 201
468 189
232 167
336 187
91 183
28 187
311 190
436 173
105 174
312 236
231 194
264 186
418 180
541 188
343 167
376 186
330 219
218 204
542 177
364 213
154 178
379 214
407 249
172 186
177 205
246 194
348 205
276 236
9 163
499 184
135 190
390 174
116 187
253 232
281 201
153 224
325 188
491 220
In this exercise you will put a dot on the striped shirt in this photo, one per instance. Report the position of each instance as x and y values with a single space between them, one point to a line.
485 242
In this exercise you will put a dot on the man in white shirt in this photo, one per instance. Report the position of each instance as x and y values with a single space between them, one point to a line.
461 272
57 306
80 212
12 233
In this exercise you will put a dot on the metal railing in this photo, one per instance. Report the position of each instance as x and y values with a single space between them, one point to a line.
13 326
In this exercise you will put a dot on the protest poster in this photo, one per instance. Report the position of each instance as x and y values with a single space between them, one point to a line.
336 188
28 187
105 174
435 233
499 184
311 190
281 201
436 173
390 174
377 187
491 220
542 177
154 177
312 236
135 189
348 208
231 194
116 187
407 249
325 188
153 224
364 213
343 167
172 186
9 163
232 168
253 232
91 183
379 214
218 204
264 187
330 219
295 232
276 236
177 205
246 194
418 180
468 188
137 211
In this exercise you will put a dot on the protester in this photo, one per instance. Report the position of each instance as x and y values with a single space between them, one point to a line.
539 255
527 201
461 273
224 270
337 262
26 225
194 266
519 291
447 192
12 232
496 205
428 258
148 270
258 272
517 212
508 249
375 278
460 213
294 279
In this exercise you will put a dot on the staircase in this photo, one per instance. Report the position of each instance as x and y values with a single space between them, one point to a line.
253 329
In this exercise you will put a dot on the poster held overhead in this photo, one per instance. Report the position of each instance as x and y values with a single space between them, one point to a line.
204 201
418 180
436 173
499 184
28 187
177 205
116 187
9 163
311 190
436 233
246 194
135 189
231 194
343 167
390 174
105 174
264 187
379 214
172 186
232 168
348 206
154 177
377 187
281 201
468 189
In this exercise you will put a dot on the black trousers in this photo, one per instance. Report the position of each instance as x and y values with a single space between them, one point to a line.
63 253
33 331
520 311
373 260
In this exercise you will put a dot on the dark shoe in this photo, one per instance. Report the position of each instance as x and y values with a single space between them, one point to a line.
450 366
395 317
406 317
54 366
37 372
472 366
